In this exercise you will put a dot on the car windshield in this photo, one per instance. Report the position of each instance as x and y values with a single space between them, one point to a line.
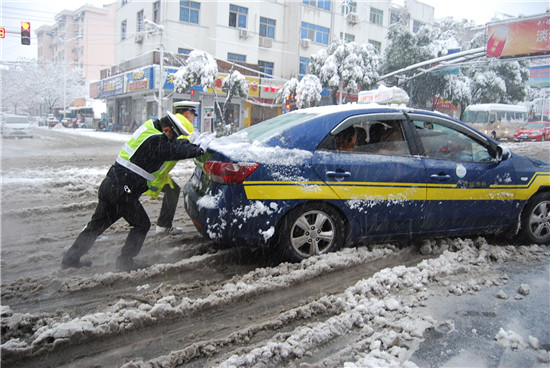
16 120
271 127
534 126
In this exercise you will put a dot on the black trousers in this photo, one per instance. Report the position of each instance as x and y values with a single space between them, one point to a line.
169 205
114 203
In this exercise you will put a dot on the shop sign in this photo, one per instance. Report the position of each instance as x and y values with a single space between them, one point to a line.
111 86
139 79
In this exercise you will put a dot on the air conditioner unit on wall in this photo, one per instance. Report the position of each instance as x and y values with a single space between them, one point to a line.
353 18
305 42
243 33
139 38
266 42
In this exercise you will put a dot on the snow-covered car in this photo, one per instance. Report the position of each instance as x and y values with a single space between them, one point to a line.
534 131
410 173
51 121
16 126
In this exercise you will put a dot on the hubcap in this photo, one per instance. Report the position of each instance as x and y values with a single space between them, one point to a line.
312 233
539 221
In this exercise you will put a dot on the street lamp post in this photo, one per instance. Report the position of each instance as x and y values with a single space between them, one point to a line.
161 65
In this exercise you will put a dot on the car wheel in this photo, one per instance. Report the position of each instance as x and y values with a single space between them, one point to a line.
535 219
311 229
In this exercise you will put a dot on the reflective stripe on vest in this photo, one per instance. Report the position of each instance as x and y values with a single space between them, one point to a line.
140 135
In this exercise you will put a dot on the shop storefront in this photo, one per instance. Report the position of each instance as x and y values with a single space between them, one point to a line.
131 99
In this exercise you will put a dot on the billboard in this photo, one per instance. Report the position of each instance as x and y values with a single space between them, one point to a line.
526 36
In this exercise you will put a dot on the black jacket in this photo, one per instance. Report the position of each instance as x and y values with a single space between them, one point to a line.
150 156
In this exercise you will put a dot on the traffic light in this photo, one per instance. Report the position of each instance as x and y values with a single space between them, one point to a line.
2 32
25 33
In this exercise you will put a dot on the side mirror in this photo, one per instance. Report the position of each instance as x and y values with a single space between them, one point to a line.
502 153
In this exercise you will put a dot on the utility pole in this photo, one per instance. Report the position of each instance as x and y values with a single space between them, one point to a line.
161 65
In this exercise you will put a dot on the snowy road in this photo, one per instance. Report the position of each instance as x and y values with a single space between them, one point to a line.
445 303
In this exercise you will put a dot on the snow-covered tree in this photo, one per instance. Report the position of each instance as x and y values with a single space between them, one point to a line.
234 85
28 85
200 69
308 91
346 66
288 92
487 80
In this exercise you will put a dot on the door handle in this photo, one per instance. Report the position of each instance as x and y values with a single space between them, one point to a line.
338 174
440 177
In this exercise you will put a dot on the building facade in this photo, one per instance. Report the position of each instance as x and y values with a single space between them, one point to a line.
82 38
272 40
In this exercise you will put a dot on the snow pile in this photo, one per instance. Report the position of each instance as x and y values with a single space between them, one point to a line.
381 314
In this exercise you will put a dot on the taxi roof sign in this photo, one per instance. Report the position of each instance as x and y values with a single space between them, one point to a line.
384 95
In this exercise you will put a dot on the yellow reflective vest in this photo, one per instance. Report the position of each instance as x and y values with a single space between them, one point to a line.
162 176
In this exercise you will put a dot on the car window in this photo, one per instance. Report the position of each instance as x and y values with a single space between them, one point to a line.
443 142
381 137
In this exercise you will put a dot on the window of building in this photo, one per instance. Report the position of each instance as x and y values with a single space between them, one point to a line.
266 67
376 16
349 37
315 33
267 27
351 5
323 4
189 11
377 45
123 29
156 12
416 26
304 62
183 51
237 16
139 23
236 57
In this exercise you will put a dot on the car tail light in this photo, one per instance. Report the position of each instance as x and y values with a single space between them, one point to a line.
229 172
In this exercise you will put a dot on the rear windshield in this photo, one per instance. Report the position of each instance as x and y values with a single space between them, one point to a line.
271 127
16 120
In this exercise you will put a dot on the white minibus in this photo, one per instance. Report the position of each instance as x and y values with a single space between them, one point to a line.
500 121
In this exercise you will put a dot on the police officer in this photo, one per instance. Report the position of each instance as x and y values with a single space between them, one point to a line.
129 177
186 112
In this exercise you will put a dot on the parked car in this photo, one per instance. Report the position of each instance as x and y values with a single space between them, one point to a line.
410 173
16 126
533 131
51 121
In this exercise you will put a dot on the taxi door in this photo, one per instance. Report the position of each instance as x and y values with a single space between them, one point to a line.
466 188
382 191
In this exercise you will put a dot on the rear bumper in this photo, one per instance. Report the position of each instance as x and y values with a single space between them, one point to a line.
228 217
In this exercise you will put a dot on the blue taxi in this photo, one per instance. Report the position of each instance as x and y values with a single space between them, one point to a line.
313 180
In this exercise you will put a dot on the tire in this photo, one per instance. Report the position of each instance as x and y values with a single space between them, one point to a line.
535 220
311 229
